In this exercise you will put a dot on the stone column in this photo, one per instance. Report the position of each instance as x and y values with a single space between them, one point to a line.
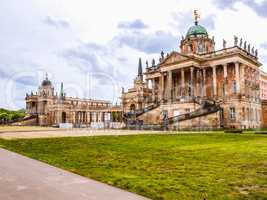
85 117
169 85
153 89
237 77
182 82
192 81
198 83
82 117
204 83
161 87
99 117
242 79
225 78
214 81
73 117
88 118
225 71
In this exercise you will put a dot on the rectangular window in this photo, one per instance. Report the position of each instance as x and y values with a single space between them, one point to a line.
234 87
232 113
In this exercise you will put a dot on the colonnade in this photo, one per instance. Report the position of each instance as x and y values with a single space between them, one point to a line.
200 81
85 117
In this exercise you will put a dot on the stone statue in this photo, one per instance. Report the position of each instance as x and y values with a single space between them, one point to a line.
236 40
213 39
249 48
146 64
241 43
162 55
245 45
224 43
182 37
122 90
256 53
253 51
153 62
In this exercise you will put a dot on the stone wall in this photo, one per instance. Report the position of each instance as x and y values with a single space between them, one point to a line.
264 114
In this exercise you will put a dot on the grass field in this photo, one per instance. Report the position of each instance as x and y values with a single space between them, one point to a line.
210 166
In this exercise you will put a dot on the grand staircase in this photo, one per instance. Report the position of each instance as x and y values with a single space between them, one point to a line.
207 107
130 115
27 119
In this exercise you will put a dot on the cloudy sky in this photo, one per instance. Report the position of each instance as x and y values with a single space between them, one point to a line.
94 46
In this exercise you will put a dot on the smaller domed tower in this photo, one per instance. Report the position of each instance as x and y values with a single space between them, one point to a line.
197 40
46 89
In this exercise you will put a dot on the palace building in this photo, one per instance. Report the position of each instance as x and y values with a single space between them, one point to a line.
198 86
46 108
263 95
195 87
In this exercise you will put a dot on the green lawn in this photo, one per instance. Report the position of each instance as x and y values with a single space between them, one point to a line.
210 166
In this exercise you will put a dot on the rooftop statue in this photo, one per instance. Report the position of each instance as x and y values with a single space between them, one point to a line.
236 40
224 43
241 43
153 62
162 55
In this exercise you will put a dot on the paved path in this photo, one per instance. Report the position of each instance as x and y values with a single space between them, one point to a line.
22 178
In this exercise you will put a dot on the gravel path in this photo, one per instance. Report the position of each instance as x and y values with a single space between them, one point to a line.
71 133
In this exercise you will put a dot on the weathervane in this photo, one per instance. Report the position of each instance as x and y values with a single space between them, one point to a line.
197 16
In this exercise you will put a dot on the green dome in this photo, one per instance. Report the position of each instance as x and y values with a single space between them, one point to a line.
196 30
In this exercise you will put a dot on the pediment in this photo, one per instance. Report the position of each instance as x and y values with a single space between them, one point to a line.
173 58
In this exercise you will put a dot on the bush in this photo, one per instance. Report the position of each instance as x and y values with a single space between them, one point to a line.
233 131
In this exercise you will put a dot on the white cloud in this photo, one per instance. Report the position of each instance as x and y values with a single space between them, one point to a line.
70 39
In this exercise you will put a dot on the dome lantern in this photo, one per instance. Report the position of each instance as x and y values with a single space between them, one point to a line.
196 30
46 82
197 39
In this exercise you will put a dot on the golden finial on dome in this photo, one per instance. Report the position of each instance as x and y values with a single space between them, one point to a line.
197 16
